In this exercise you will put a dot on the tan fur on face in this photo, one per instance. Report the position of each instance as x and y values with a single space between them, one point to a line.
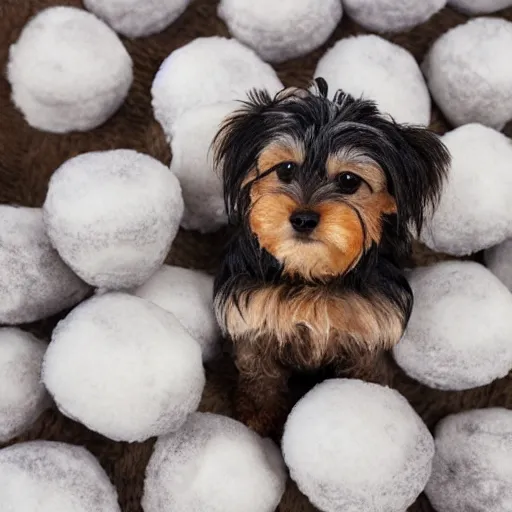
332 249
315 322
338 242
372 200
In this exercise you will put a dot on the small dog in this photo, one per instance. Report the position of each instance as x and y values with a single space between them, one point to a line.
323 196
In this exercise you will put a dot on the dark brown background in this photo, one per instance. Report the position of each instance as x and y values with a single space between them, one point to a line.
28 158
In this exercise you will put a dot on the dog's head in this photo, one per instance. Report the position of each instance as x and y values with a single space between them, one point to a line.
321 183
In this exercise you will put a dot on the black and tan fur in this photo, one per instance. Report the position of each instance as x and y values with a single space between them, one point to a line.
324 197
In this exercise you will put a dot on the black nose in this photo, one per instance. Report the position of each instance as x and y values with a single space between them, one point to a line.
304 222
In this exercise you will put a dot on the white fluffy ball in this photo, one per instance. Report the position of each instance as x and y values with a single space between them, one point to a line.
207 70
44 476
34 282
479 6
391 15
499 261
472 464
124 368
371 67
23 397
68 71
475 210
469 74
192 163
460 329
352 445
112 216
188 295
134 18
283 30
214 464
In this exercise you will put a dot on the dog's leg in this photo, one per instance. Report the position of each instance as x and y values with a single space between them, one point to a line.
370 366
261 397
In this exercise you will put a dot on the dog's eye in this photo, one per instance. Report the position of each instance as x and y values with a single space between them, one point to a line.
349 183
285 171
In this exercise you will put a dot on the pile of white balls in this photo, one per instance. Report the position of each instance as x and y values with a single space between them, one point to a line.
137 345
127 360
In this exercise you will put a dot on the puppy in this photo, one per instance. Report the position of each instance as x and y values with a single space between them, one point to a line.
324 197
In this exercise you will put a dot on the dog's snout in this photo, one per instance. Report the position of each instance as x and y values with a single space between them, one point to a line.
304 221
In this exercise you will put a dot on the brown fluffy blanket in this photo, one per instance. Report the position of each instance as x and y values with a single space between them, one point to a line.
28 158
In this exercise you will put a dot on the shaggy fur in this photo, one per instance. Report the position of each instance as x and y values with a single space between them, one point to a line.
322 196
28 158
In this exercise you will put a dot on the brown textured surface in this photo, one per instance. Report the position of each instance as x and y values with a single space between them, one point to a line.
28 158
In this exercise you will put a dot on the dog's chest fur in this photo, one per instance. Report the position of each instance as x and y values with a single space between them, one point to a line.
311 325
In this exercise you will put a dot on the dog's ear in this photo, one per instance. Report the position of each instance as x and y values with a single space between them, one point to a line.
417 182
236 147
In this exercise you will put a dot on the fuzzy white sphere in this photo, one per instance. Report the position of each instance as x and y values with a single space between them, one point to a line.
472 464
391 15
112 216
499 261
45 476
371 67
68 71
352 445
188 295
475 210
459 333
469 74
207 70
479 6
134 18
124 368
23 397
213 464
283 30
192 163
34 281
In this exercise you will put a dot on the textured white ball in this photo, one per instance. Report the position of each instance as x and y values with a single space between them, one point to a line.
207 70
352 445
283 30
192 163
391 15
124 368
499 261
475 210
469 74
23 397
112 216
44 476
460 329
134 18
188 295
479 6
471 469
371 67
68 71
213 464
34 282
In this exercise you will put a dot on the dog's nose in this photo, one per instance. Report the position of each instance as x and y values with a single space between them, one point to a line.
305 221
